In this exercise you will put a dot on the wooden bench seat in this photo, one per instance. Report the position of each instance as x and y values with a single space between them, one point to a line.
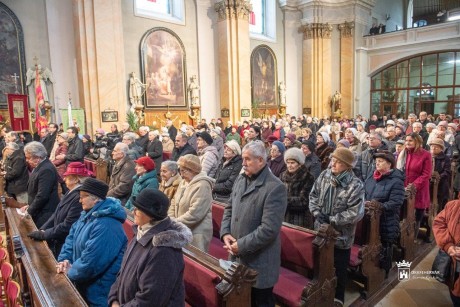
207 284
407 224
365 253
307 274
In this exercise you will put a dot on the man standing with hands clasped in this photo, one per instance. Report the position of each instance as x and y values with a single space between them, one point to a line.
252 221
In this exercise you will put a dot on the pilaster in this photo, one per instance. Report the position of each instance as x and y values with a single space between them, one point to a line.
100 59
346 66
234 55
316 67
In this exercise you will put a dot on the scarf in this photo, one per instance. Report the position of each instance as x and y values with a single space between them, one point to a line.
378 176
342 180
142 230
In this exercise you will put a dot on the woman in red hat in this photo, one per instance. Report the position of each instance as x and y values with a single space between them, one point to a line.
56 229
146 177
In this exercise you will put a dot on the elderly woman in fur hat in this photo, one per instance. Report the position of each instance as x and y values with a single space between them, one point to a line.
298 182
192 203
228 170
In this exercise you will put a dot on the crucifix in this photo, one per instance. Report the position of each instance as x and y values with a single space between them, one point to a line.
15 77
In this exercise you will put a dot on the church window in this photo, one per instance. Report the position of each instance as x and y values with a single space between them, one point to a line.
262 20
165 10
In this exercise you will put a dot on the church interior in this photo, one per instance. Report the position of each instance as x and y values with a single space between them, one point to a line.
103 62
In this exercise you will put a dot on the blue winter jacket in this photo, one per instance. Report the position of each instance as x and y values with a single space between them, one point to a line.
95 247
148 180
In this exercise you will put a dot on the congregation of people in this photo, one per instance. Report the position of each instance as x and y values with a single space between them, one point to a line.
296 169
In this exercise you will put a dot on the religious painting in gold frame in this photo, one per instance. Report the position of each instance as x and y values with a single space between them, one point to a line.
163 69
264 77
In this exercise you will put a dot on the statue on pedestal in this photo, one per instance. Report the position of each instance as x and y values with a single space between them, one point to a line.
194 90
136 90
282 93
336 99
45 75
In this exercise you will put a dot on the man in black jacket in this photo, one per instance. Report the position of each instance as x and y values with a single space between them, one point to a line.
49 137
154 150
181 147
75 152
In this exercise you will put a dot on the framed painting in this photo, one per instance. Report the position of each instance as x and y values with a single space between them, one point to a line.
245 112
264 77
109 116
12 56
163 69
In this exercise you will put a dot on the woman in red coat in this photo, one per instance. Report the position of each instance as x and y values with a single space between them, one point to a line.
416 163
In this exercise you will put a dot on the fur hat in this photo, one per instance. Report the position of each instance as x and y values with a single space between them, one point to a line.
443 123
233 145
325 136
152 202
385 154
95 187
146 162
345 155
437 141
280 146
205 136
190 162
391 122
296 154
452 125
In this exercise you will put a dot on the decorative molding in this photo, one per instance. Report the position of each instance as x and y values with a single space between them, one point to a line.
316 30
346 29
237 9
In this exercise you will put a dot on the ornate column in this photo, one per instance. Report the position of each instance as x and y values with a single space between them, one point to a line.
234 56
316 68
346 66
100 59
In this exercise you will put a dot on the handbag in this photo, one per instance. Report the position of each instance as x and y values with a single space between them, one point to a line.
442 267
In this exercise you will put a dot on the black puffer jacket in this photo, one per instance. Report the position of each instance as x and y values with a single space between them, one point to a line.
225 178
389 191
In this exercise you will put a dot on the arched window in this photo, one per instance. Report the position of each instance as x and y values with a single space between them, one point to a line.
165 10
427 82
262 20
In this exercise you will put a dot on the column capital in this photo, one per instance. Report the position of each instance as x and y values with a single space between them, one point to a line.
346 29
316 30
235 9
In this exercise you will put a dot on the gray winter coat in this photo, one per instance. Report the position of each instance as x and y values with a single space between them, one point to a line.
209 159
254 217
348 206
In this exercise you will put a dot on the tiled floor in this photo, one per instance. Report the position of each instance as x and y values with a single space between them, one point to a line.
419 290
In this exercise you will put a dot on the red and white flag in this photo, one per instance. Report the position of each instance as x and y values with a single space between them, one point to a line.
40 119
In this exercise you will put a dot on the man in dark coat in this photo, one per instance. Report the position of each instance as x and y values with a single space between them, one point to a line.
154 150
50 138
365 166
143 136
171 129
153 266
75 152
181 147
16 174
42 187
56 229
252 222
121 181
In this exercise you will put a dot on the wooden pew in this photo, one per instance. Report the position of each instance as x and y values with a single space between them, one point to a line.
99 168
307 274
365 252
407 224
207 284
36 266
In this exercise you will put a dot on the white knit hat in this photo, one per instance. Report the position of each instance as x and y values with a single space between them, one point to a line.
295 154
233 145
